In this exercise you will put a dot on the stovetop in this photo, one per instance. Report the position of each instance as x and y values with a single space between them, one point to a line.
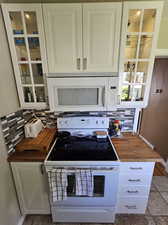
88 148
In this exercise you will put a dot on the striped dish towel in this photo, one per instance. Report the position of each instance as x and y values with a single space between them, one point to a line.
84 182
58 184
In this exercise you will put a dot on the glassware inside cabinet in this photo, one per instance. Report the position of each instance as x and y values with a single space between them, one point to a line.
31 22
138 92
131 46
149 20
21 49
25 73
34 48
141 73
145 46
37 73
126 93
129 72
28 94
16 22
40 94
134 20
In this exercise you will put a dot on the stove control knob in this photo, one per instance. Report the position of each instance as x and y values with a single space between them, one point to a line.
96 121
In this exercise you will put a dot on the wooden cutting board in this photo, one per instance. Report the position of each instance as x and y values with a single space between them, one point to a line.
41 143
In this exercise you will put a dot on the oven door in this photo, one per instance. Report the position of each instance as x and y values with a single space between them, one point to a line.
78 94
104 193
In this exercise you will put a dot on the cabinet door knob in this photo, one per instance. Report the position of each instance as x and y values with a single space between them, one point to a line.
78 63
84 63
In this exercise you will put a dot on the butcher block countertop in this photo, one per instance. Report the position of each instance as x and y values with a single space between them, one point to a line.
34 149
131 148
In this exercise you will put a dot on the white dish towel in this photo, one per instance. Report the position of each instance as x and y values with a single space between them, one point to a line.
58 184
84 182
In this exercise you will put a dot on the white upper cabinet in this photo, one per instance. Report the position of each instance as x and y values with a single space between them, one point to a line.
63 30
101 36
140 26
27 45
82 37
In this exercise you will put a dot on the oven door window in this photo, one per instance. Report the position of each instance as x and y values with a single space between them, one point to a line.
98 190
79 96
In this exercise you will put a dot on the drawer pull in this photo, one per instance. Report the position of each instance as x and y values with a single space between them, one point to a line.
131 206
136 180
136 168
132 192
78 63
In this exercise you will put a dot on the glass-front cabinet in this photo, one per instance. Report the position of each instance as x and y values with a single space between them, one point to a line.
138 41
26 40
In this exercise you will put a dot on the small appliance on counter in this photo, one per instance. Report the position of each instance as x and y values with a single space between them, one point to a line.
115 128
33 128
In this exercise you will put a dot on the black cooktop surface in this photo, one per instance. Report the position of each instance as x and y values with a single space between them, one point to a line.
88 148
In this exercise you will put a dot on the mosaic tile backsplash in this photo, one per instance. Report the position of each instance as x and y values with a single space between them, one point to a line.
13 124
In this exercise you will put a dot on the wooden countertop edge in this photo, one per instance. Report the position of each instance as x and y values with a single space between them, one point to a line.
142 160
124 158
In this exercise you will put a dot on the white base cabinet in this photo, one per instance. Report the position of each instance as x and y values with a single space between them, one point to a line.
32 187
33 192
134 186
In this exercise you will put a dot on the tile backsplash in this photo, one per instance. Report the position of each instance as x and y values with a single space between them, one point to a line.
13 124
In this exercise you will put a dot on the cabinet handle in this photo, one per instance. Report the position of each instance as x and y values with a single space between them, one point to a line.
132 192
84 63
136 168
130 206
103 96
136 180
42 169
78 63
118 100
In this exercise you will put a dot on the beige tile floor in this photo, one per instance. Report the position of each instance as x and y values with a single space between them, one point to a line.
156 213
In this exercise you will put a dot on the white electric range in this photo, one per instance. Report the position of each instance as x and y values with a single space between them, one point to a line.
77 147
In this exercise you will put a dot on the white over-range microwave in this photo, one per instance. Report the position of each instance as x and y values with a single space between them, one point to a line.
83 93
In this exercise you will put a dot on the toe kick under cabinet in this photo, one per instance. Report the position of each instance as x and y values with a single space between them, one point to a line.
134 187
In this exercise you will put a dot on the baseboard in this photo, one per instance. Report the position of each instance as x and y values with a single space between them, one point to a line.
21 221
147 142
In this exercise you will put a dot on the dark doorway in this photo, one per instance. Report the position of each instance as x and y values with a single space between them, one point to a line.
154 123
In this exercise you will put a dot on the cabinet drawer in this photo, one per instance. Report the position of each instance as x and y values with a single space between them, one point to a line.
137 191
82 214
135 167
135 179
132 205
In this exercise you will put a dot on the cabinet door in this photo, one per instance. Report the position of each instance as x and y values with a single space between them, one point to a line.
101 30
32 188
63 29
26 39
140 28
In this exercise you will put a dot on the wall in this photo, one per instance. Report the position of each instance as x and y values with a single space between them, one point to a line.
9 210
163 33
8 94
